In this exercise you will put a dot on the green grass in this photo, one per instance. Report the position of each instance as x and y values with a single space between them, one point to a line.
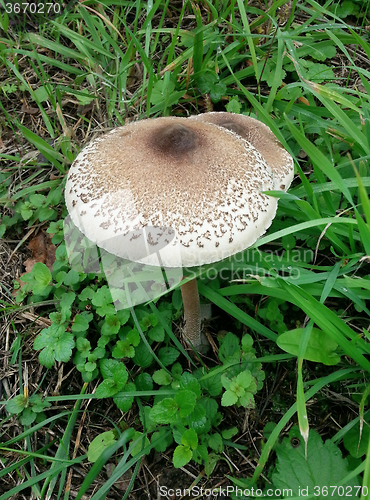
301 68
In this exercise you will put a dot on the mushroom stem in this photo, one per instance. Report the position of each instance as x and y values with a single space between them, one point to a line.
190 299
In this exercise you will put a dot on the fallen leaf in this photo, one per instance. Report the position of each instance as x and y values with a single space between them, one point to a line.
42 251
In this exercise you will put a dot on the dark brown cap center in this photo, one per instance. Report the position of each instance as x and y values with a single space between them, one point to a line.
174 139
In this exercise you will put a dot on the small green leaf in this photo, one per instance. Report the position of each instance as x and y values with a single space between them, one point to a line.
188 381
120 376
230 349
16 404
27 417
186 402
190 439
181 456
41 273
215 442
99 444
71 278
197 419
143 357
156 333
229 398
233 106
81 323
164 412
144 382
210 406
106 389
244 379
41 93
140 441
162 377
229 433
320 348
168 355
165 442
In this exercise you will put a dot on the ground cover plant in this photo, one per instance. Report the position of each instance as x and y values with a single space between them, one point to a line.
104 404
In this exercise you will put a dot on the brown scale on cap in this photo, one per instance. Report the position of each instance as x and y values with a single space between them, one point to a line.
261 137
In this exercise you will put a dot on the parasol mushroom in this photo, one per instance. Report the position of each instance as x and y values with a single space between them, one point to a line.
198 182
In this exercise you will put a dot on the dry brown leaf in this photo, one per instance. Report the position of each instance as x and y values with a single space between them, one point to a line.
42 251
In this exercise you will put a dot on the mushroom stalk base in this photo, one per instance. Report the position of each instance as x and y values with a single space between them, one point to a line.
190 299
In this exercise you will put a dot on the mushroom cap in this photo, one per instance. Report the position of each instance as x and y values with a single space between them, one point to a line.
187 190
261 137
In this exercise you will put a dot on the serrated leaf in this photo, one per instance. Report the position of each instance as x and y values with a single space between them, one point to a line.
162 377
144 382
218 90
86 294
324 465
210 406
156 333
123 399
212 384
229 398
71 278
123 349
322 50
102 297
107 367
190 439
41 93
143 357
63 347
46 357
27 417
80 323
230 349
164 412
120 376
168 355
160 90
106 389
244 379
233 106
185 400
319 73
16 404
188 381
197 419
